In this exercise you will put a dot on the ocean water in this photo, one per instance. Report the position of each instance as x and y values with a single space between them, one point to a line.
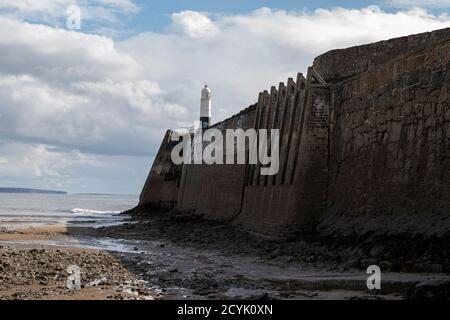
25 210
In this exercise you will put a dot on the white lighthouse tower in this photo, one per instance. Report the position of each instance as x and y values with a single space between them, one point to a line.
205 107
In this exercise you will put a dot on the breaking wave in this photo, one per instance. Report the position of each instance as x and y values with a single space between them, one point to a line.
88 211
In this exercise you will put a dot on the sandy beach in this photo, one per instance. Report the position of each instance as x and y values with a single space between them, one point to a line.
30 270
167 256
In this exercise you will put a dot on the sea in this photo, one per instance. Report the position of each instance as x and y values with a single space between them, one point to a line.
73 210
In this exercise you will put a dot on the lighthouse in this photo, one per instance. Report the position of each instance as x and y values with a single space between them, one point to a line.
205 107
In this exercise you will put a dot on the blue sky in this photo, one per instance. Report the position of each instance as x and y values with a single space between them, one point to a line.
155 15
85 110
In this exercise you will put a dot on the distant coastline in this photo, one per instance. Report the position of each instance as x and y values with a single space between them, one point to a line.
27 190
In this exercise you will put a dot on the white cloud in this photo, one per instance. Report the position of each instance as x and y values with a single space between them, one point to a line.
244 54
102 117
47 167
58 7
48 6
71 101
38 161
193 24
419 3
97 16
58 54
124 5
77 90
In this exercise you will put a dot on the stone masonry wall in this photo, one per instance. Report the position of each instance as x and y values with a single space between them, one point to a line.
365 149
215 191
294 198
390 137
161 187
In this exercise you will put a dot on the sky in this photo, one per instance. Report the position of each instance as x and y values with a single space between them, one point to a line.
85 110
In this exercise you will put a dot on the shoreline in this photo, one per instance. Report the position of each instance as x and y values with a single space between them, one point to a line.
33 271
168 256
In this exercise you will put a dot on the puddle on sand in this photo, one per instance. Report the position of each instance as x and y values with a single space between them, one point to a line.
102 244
11 223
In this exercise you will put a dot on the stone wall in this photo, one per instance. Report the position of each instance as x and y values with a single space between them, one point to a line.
294 198
215 191
390 138
160 190
365 147
337 65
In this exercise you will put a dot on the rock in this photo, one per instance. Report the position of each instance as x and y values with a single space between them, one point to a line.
428 267
430 290
353 264
261 297
376 252
368 262
357 253
436 268
385 266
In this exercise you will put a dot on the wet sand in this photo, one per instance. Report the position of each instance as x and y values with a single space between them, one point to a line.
166 256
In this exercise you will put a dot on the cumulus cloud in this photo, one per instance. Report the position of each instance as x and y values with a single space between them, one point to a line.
419 3
124 5
193 24
48 6
43 166
58 7
239 55
39 161
97 16
103 117
89 107
58 54
76 90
